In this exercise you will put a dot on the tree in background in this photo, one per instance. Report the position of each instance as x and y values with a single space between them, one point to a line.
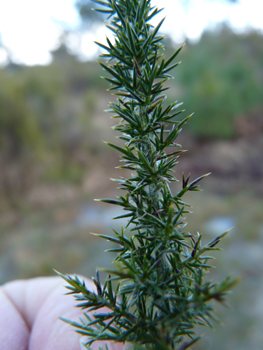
221 79
88 17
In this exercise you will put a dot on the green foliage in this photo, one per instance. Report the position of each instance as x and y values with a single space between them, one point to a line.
221 78
20 132
44 122
161 291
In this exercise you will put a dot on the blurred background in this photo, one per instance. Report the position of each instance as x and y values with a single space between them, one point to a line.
53 161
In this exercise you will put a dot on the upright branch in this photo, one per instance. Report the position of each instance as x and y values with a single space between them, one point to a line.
161 293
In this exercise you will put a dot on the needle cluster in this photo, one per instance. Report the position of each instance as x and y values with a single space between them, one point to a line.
157 292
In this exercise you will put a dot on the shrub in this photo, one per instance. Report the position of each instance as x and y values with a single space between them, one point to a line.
162 291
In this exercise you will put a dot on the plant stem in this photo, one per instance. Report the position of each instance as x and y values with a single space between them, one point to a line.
161 293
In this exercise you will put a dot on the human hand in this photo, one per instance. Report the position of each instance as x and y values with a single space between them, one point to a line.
29 316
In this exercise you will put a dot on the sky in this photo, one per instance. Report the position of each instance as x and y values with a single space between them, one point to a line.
30 29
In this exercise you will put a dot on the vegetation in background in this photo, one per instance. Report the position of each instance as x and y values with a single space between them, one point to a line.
47 113
162 291
221 79
44 123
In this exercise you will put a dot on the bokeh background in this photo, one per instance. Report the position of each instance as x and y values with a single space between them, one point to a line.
53 161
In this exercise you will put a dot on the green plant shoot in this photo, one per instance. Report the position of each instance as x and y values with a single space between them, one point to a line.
159 292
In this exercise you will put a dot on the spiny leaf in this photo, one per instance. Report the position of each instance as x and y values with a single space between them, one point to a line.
172 57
